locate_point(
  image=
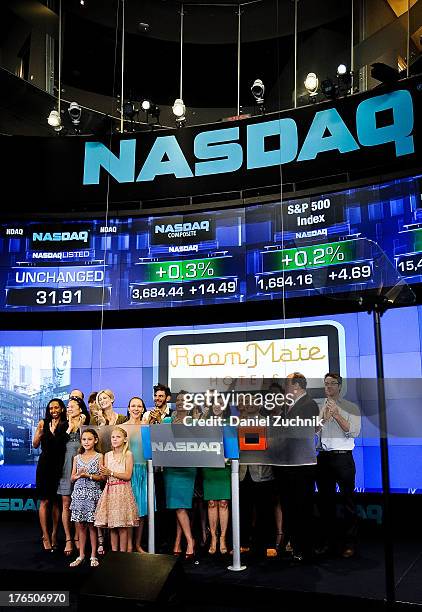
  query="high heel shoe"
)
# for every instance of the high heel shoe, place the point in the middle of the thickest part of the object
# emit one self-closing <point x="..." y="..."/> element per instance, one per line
<point x="223" y="545"/>
<point x="68" y="552"/>
<point x="46" y="548"/>
<point x="190" y="556"/>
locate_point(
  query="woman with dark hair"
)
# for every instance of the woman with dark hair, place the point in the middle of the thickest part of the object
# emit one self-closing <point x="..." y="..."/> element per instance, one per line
<point x="77" y="415"/>
<point x="217" y="490"/>
<point x="93" y="408"/>
<point x="51" y="435"/>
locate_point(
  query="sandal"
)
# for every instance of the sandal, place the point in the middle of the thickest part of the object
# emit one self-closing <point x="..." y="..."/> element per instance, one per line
<point x="77" y="562"/>
<point x="100" y="547"/>
<point x="93" y="562"/>
<point x="54" y="545"/>
<point x="68" y="551"/>
<point x="223" y="545"/>
<point x="46" y="544"/>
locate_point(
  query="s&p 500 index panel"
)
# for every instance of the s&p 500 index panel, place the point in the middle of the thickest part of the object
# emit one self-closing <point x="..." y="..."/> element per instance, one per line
<point x="327" y="244"/>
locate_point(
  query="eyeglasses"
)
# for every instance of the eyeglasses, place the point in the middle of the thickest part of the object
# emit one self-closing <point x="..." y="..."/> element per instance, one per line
<point x="331" y="384"/>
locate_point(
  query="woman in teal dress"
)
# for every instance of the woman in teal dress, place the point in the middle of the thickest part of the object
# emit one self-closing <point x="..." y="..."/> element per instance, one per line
<point x="217" y="491"/>
<point x="179" y="485"/>
<point x="136" y="409"/>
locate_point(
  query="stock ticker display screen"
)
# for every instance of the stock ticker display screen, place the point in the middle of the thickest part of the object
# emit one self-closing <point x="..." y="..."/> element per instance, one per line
<point x="326" y="244"/>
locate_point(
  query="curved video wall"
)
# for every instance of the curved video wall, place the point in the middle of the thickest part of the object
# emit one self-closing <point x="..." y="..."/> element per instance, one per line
<point x="337" y="243"/>
<point x="38" y="365"/>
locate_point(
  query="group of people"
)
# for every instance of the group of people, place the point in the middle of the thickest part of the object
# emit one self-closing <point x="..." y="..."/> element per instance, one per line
<point x="97" y="491"/>
<point x="108" y="493"/>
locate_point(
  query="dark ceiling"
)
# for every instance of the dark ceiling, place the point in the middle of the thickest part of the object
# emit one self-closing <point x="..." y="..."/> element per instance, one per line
<point x="91" y="57"/>
<point x="92" y="51"/>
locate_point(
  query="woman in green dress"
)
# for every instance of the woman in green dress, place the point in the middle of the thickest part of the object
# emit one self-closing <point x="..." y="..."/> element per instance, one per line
<point x="179" y="485"/>
<point x="217" y="491"/>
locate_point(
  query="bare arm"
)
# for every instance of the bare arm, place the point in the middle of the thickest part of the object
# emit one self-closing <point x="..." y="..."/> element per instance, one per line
<point x="127" y="474"/>
<point x="38" y="434"/>
<point x="75" y="474"/>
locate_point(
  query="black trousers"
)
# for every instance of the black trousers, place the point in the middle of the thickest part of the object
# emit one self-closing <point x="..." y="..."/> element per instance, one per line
<point x="258" y="496"/>
<point x="296" y="486"/>
<point x="337" y="469"/>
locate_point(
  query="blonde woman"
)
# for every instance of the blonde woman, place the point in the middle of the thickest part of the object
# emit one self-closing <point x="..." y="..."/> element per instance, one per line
<point x="106" y="414"/>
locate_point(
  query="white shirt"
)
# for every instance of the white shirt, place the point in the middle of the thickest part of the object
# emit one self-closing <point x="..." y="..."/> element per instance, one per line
<point x="332" y="436"/>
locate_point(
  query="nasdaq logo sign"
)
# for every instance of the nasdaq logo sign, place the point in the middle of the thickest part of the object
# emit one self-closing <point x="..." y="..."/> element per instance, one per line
<point x="59" y="236"/>
<point x="182" y="228"/>
<point x="187" y="447"/>
<point x="56" y="238"/>
<point x="18" y="504"/>
<point x="220" y="151"/>
<point x="178" y="231"/>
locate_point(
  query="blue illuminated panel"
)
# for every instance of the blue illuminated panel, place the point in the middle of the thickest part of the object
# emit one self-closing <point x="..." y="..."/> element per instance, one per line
<point x="317" y="245"/>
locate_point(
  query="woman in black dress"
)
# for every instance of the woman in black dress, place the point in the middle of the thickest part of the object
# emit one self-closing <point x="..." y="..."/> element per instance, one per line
<point x="51" y="435"/>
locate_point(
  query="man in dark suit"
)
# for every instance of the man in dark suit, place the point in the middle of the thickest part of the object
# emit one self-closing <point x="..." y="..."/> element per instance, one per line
<point x="297" y="479"/>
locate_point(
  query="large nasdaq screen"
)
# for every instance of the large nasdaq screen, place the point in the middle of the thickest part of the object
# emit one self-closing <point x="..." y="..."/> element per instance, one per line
<point x="335" y="243"/>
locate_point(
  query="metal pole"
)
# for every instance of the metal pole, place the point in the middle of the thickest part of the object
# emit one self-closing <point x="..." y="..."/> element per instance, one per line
<point x="352" y="36"/>
<point x="408" y="40"/>
<point x="236" y="566"/>
<point x="151" y="508"/>
<point x="239" y="32"/>
<point x="182" y="15"/>
<point x="123" y="67"/>
<point x="388" y="539"/>
<point x="295" y="92"/>
<point x="59" y="93"/>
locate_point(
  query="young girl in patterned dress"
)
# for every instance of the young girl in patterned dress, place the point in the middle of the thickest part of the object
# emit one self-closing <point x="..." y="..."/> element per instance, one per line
<point x="117" y="508"/>
<point x="86" y="493"/>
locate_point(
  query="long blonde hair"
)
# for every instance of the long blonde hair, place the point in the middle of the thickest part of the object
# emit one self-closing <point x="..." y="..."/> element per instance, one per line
<point x="126" y="442"/>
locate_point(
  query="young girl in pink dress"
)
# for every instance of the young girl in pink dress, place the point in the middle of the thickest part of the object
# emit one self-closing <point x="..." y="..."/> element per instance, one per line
<point x="117" y="508"/>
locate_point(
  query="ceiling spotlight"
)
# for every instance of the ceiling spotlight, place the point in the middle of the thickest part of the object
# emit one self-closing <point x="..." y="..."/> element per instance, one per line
<point x="75" y="113"/>
<point x="384" y="73"/>
<point x="258" y="90"/>
<point x="54" y="120"/>
<point x="151" y="109"/>
<point x="344" y="79"/>
<point x="179" y="111"/>
<point x="329" y="89"/>
<point x="311" y="83"/>
<point x="143" y="27"/>
<point x="129" y="110"/>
